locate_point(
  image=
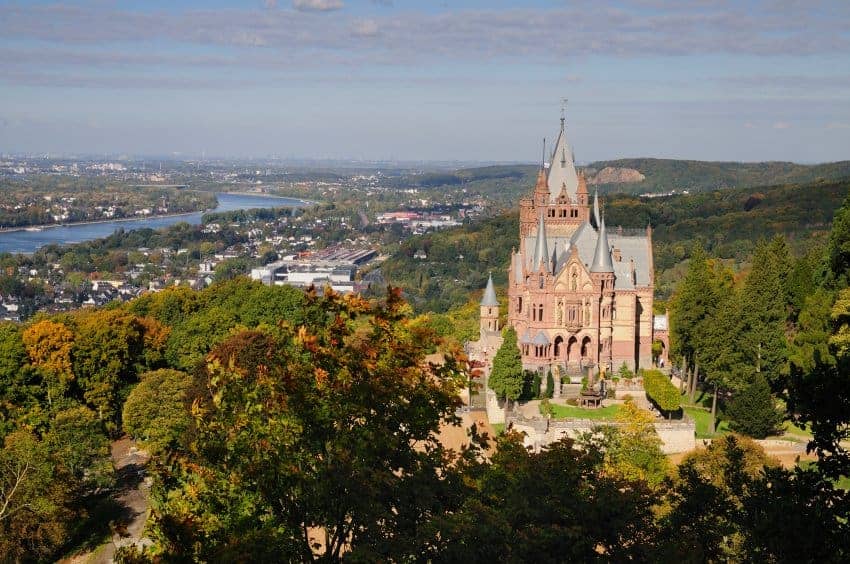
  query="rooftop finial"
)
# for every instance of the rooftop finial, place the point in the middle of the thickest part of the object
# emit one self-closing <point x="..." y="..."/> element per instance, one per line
<point x="543" y="162"/>
<point x="563" y="112"/>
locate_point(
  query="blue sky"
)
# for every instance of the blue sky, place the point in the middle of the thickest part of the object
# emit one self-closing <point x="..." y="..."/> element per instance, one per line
<point x="419" y="80"/>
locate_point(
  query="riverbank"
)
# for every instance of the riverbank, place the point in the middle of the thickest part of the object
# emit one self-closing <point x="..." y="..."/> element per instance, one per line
<point x="298" y="202"/>
<point x="27" y="240"/>
<point x="265" y="195"/>
<point x="43" y="226"/>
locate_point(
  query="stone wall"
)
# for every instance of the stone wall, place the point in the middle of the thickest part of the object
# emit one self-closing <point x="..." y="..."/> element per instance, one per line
<point x="676" y="436"/>
<point x="495" y="409"/>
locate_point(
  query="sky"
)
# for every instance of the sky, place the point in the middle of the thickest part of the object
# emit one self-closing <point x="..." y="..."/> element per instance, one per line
<point x="463" y="80"/>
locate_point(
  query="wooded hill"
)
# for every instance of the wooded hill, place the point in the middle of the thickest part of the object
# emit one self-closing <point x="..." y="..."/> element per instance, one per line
<point x="505" y="184"/>
<point x="665" y="175"/>
<point x="727" y="223"/>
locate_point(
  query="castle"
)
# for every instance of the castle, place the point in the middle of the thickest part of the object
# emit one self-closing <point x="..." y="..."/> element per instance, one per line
<point x="579" y="295"/>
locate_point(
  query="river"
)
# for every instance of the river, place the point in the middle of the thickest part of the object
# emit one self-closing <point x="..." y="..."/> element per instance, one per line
<point x="29" y="241"/>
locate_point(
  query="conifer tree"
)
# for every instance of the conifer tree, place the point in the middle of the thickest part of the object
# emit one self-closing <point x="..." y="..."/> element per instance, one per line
<point x="763" y="304"/>
<point x="692" y="306"/>
<point x="506" y="377"/>
<point x="837" y="264"/>
<point x="753" y="410"/>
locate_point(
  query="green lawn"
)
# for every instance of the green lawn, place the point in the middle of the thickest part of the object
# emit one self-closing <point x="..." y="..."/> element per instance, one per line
<point x="702" y="398"/>
<point x="796" y="432"/>
<point x="569" y="411"/>
<point x="498" y="428"/>
<point x="703" y="421"/>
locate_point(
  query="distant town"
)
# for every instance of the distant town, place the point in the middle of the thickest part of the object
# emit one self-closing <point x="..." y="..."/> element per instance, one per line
<point x="351" y="219"/>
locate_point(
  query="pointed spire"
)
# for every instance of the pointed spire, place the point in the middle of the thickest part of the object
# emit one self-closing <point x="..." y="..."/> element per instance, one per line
<point x="554" y="262"/>
<point x="489" y="299"/>
<point x="596" y="208"/>
<point x="602" y="257"/>
<point x="541" y="246"/>
<point x="562" y="169"/>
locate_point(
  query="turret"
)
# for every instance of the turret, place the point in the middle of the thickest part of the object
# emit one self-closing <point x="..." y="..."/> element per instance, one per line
<point x="596" y="209"/>
<point x="540" y="258"/>
<point x="541" y="190"/>
<point x="489" y="315"/>
<point x="581" y="192"/>
<point x="602" y="262"/>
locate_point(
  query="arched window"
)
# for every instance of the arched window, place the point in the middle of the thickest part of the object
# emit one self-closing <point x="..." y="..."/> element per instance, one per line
<point x="519" y="304"/>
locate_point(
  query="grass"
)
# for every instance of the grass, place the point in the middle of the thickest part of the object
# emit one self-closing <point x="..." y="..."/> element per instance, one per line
<point x="569" y="411"/>
<point x="701" y="399"/>
<point x="498" y="428"/>
<point x="794" y="431"/>
<point x="702" y="418"/>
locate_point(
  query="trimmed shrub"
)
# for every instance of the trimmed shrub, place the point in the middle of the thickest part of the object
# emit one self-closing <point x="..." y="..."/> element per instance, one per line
<point x="661" y="391"/>
<point x="550" y="385"/>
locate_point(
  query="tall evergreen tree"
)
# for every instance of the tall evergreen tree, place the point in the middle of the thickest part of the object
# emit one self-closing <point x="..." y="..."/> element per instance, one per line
<point x="837" y="263"/>
<point x="753" y="410"/>
<point x="763" y="304"/>
<point x="693" y="303"/>
<point x="506" y="377"/>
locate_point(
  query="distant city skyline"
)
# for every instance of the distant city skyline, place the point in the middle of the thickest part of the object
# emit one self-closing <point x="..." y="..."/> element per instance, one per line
<point x="467" y="80"/>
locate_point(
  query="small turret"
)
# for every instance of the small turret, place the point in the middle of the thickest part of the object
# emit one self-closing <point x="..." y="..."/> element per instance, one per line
<point x="541" y="247"/>
<point x="602" y="256"/>
<point x="541" y="189"/>
<point x="581" y="192"/>
<point x="489" y="314"/>
<point x="596" y="208"/>
<point x="489" y="299"/>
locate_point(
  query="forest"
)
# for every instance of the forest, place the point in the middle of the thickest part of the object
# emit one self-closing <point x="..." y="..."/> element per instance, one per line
<point x="290" y="426"/>
<point x="725" y="223"/>
<point x="503" y="185"/>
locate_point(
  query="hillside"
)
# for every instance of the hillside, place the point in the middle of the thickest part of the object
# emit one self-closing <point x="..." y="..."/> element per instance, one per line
<point x="727" y="222"/>
<point x="665" y="175"/>
<point x="503" y="185"/>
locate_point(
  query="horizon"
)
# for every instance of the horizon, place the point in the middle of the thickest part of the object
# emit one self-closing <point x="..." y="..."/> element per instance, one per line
<point x="394" y="81"/>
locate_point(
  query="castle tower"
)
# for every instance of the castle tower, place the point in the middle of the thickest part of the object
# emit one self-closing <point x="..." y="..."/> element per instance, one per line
<point x="489" y="315"/>
<point x="602" y="274"/>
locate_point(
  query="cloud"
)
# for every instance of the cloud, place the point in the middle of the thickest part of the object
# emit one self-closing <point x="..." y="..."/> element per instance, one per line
<point x="270" y="4"/>
<point x="470" y="36"/>
<point x="365" y="28"/>
<point x="316" y="5"/>
<point x="837" y="125"/>
<point x="781" y="125"/>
